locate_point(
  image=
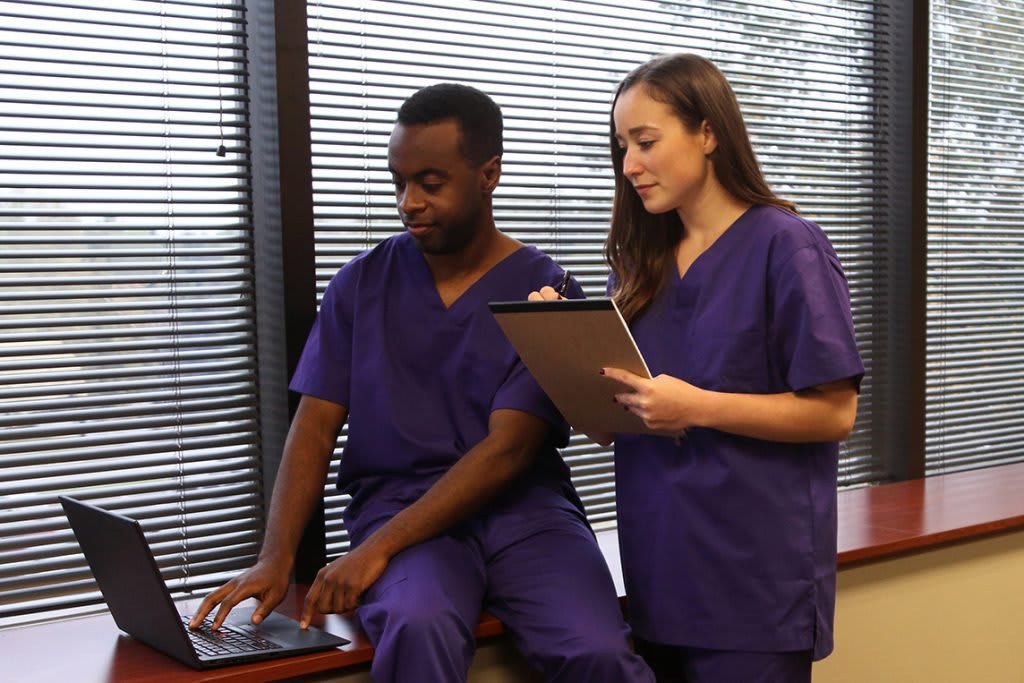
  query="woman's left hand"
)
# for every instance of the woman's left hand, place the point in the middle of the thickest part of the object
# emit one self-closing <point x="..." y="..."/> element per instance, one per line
<point x="665" y="404"/>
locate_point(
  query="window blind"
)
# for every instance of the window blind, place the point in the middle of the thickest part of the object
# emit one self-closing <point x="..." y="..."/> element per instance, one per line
<point x="975" y="294"/>
<point x="806" y="74"/>
<point x="126" y="321"/>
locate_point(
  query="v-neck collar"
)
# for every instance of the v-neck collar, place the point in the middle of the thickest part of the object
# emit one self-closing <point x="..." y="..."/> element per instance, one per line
<point x="710" y="254"/>
<point x="431" y="294"/>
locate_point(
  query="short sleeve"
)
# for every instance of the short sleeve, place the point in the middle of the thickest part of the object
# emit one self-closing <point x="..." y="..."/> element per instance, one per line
<point x="521" y="392"/>
<point x="813" y="338"/>
<point x="325" y="366"/>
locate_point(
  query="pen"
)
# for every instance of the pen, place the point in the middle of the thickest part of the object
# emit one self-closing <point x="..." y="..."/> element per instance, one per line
<point x="563" y="288"/>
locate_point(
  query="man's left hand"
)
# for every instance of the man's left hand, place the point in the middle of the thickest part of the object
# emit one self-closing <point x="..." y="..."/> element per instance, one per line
<point x="340" y="584"/>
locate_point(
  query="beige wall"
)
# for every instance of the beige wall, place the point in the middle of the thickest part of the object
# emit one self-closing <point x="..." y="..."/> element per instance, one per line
<point x="953" y="614"/>
<point x="496" y="661"/>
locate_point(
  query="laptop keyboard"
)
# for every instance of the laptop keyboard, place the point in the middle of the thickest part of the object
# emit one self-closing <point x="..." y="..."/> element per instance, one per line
<point x="228" y="640"/>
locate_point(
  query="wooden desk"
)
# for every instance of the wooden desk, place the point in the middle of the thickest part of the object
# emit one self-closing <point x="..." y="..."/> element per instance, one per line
<point x="874" y="522"/>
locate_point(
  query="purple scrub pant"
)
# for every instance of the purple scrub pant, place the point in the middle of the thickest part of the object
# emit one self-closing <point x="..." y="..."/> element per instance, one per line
<point x="676" y="664"/>
<point x="540" y="571"/>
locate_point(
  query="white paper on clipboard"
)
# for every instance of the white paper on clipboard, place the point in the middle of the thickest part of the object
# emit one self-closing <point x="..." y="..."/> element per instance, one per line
<point x="564" y="344"/>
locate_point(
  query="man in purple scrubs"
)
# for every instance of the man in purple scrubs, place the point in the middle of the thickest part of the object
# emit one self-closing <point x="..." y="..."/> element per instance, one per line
<point x="460" y="500"/>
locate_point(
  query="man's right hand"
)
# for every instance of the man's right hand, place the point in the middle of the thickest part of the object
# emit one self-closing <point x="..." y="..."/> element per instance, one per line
<point x="265" y="580"/>
<point x="297" y="492"/>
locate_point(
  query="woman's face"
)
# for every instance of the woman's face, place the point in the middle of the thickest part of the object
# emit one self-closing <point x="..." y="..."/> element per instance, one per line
<point x="666" y="163"/>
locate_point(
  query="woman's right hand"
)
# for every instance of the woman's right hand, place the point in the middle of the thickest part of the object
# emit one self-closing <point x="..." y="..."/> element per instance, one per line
<point x="546" y="293"/>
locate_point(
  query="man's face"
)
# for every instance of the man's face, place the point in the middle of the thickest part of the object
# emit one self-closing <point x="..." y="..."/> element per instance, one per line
<point x="440" y="195"/>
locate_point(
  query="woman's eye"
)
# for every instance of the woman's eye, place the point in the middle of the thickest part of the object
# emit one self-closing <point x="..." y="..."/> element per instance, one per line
<point x="645" y="144"/>
<point x="432" y="188"/>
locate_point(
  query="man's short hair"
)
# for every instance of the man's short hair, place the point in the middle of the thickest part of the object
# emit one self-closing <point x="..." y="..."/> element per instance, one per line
<point x="478" y="116"/>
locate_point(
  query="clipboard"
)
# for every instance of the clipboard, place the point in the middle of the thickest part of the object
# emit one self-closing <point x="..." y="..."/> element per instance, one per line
<point x="564" y="344"/>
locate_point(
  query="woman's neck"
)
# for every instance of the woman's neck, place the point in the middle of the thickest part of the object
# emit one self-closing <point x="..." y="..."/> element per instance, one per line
<point x="710" y="216"/>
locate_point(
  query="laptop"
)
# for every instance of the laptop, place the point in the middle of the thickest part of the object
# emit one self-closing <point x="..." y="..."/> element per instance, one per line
<point x="128" y="577"/>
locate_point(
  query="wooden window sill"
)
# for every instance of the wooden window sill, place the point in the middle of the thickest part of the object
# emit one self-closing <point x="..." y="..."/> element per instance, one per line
<point x="874" y="523"/>
<point x="884" y="520"/>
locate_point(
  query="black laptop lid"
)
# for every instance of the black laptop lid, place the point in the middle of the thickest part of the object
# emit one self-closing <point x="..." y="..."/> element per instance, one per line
<point x="128" y="577"/>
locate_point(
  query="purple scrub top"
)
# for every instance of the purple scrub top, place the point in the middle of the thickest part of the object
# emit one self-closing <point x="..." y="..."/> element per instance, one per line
<point x="729" y="542"/>
<point x="419" y="380"/>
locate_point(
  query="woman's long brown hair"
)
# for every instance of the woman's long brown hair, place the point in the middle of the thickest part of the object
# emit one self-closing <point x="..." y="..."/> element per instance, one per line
<point x="641" y="246"/>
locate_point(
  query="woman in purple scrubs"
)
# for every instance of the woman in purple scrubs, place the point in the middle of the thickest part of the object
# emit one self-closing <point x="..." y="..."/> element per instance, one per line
<point x="727" y="524"/>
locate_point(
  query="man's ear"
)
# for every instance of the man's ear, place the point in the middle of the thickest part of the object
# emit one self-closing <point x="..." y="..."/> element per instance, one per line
<point x="710" y="139"/>
<point x="490" y="174"/>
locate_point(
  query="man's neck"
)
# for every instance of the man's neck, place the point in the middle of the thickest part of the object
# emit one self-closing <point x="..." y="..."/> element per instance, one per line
<point x="455" y="273"/>
<point x="486" y="249"/>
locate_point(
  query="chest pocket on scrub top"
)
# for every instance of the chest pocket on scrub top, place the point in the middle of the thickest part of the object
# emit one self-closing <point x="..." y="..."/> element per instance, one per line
<point x="736" y="362"/>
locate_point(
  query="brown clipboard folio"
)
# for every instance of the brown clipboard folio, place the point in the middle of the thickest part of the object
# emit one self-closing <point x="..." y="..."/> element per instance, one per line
<point x="564" y="344"/>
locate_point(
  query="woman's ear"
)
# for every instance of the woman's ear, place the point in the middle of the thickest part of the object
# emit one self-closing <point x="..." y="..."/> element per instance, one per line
<point x="490" y="174"/>
<point x="710" y="139"/>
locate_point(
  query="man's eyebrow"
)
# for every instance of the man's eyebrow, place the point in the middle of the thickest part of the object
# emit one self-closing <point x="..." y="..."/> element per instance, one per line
<point x="422" y="173"/>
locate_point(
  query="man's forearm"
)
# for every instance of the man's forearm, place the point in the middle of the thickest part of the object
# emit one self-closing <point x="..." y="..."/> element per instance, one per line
<point x="298" y="489"/>
<point x="474" y="480"/>
<point x="300" y="480"/>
